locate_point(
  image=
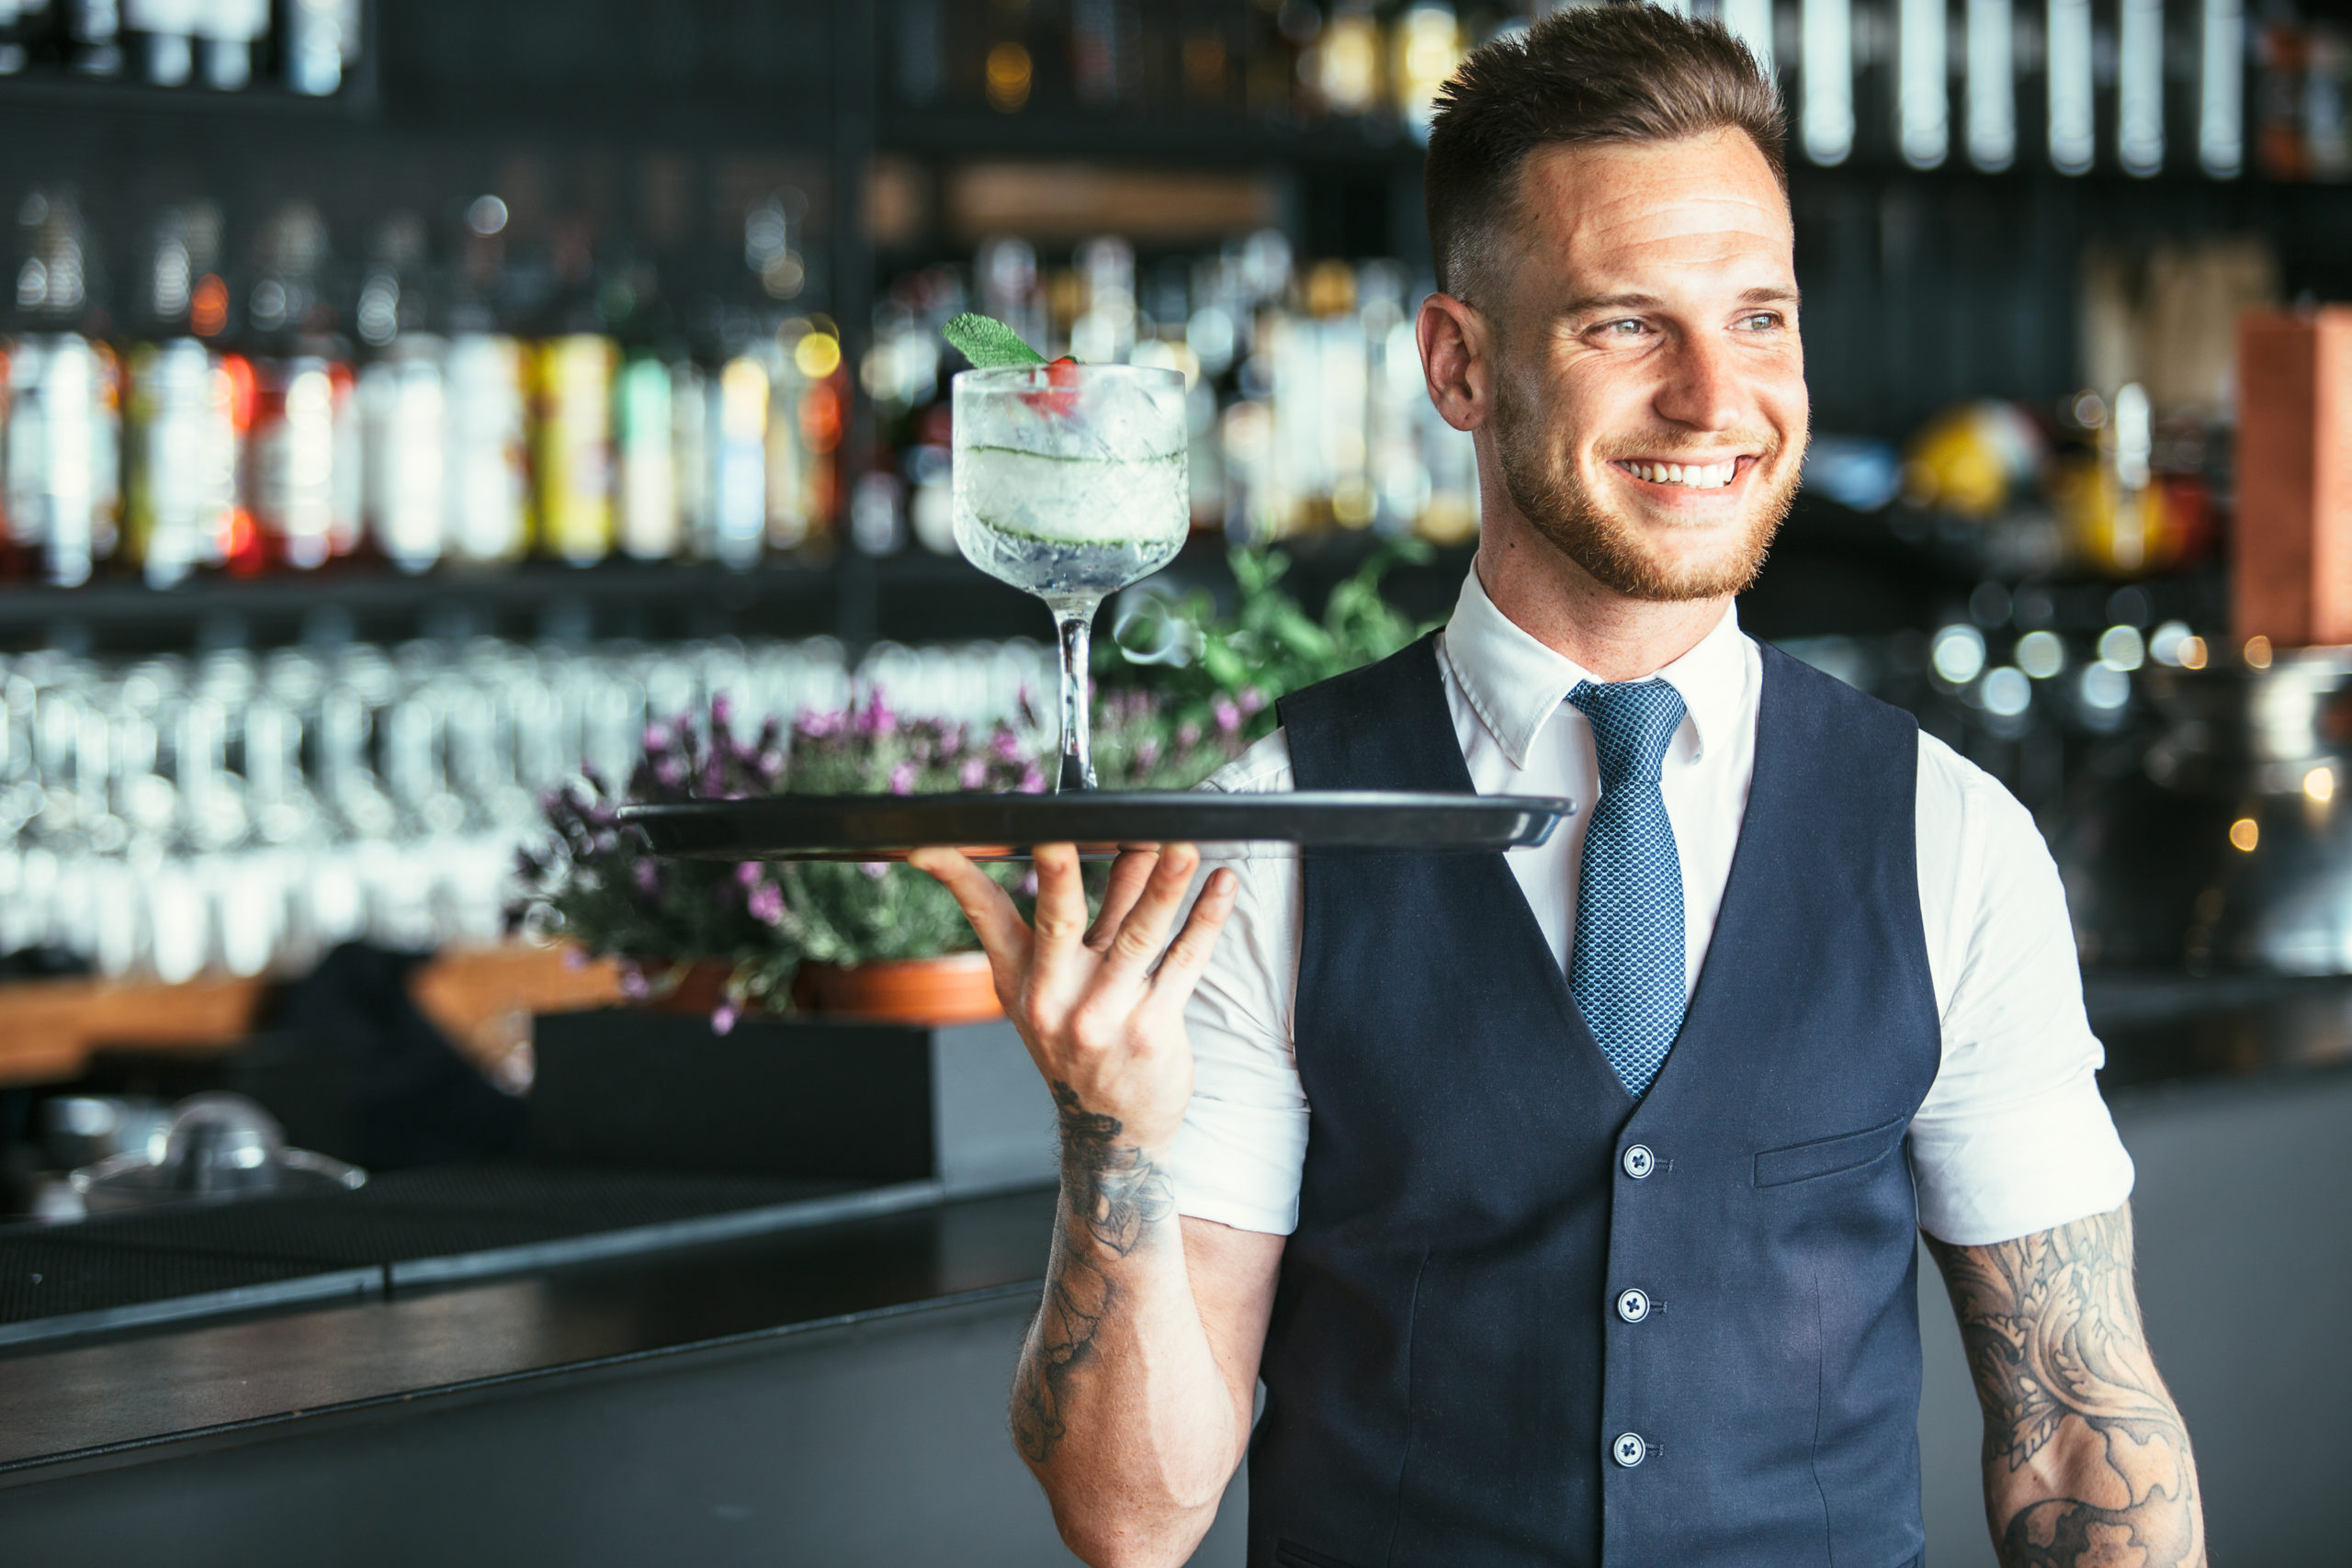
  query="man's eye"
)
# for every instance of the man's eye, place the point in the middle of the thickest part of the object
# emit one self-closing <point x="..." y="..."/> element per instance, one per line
<point x="1763" y="322"/>
<point x="1628" y="327"/>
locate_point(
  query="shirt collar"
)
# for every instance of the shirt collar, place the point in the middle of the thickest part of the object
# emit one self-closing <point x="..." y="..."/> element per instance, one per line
<point x="1515" y="684"/>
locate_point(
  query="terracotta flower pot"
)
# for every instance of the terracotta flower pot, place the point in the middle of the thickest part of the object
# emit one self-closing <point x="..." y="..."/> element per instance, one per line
<point x="955" y="987"/>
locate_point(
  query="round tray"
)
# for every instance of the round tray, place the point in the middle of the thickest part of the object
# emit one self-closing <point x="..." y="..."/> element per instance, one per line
<point x="1003" y="827"/>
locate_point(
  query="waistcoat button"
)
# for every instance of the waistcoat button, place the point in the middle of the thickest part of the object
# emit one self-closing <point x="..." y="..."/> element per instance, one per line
<point x="1639" y="1161"/>
<point x="1633" y="1305"/>
<point x="1629" y="1450"/>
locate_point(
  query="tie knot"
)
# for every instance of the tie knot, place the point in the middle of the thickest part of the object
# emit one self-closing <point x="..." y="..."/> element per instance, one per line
<point x="1633" y="724"/>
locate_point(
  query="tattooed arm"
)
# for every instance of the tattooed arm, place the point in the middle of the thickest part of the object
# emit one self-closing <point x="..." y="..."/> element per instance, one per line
<point x="1132" y="1404"/>
<point x="2086" y="1459"/>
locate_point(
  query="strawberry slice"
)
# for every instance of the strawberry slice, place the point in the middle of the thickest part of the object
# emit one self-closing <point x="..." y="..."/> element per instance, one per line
<point x="1061" y="378"/>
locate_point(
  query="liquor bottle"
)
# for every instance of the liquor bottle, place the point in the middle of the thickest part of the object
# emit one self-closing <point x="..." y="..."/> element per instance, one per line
<point x="302" y="462"/>
<point x="403" y="423"/>
<point x="94" y="37"/>
<point x="1424" y="51"/>
<point x="571" y="392"/>
<point x="740" y="396"/>
<point x="321" y="42"/>
<point x="645" y="437"/>
<point x="17" y="24"/>
<point x="164" y="34"/>
<point x="63" y="442"/>
<point x="486" y="379"/>
<point x="486" y="450"/>
<point x="227" y="33"/>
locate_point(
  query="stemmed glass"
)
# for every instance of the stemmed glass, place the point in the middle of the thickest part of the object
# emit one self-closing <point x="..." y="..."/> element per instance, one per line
<point x="1070" y="483"/>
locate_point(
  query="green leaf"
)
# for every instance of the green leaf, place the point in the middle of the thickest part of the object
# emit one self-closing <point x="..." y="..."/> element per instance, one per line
<point x="988" y="343"/>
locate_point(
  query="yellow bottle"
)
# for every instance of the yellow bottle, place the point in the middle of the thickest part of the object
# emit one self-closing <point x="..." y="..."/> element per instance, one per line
<point x="572" y="448"/>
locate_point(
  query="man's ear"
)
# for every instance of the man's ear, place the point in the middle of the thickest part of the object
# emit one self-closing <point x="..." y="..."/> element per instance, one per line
<point x="1457" y="364"/>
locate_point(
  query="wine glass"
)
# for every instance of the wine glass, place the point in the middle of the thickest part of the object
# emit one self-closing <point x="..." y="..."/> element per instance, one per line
<point x="1070" y="483"/>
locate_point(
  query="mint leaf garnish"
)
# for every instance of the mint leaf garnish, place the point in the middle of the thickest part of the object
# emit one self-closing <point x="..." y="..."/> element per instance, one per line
<point x="988" y="343"/>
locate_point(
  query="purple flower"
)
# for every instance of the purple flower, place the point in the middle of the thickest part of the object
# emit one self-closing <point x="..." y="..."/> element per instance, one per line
<point x="648" y="878"/>
<point x="669" y="773"/>
<point x="1228" y="717"/>
<point x="771" y="766"/>
<point x="1027" y="886"/>
<point x="1253" y="701"/>
<point x="1188" y="735"/>
<point x="973" y="774"/>
<point x="657" y="738"/>
<point x="1005" y="744"/>
<point x="574" y="958"/>
<point x="813" y="725"/>
<point x="1033" y="780"/>
<point x="748" y="872"/>
<point x="722" y="711"/>
<point x="723" y="1017"/>
<point x="877" y="869"/>
<point x="876" y="719"/>
<point x="766" y="904"/>
<point x="902" y="777"/>
<point x="1146" y="751"/>
<point x="633" y="982"/>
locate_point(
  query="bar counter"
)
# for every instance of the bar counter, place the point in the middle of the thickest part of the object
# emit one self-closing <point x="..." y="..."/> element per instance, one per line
<point x="834" y="1392"/>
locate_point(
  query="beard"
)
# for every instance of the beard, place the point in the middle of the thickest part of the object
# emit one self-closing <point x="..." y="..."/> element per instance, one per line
<point x="1544" y="483"/>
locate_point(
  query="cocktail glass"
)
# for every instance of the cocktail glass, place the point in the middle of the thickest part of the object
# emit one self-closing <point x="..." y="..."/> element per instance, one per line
<point x="1070" y="483"/>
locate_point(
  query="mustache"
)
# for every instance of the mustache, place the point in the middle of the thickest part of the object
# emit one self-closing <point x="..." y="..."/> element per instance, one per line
<point x="1664" y="444"/>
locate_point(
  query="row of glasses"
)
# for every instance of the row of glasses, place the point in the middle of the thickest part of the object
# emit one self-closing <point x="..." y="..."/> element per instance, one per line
<point x="240" y="813"/>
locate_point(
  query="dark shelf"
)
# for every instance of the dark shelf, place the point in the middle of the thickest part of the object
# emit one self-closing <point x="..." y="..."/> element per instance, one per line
<point x="1197" y="139"/>
<point x="261" y="100"/>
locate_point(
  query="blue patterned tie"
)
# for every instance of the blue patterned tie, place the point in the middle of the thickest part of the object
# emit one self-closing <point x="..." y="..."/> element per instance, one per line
<point x="1626" y="968"/>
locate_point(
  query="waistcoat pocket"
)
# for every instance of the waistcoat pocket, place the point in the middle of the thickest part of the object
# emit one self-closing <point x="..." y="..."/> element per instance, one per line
<point x="1827" y="1156"/>
<point x="1290" y="1554"/>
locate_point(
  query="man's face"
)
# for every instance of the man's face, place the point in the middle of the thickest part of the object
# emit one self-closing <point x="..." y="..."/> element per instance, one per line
<point x="1649" y="412"/>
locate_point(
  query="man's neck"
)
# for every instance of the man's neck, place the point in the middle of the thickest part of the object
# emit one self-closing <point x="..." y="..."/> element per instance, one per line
<point x="1563" y="606"/>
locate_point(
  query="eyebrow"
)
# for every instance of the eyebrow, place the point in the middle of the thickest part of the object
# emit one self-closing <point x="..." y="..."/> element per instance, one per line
<point x="1767" y="294"/>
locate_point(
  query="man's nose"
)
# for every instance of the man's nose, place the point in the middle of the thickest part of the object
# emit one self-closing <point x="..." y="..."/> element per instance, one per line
<point x="1703" y="388"/>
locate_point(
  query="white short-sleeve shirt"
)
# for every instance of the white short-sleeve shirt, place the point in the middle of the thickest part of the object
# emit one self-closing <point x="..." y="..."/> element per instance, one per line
<point x="2013" y="1137"/>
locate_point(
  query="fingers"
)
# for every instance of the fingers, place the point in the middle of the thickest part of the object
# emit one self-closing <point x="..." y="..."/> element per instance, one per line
<point x="1188" y="954"/>
<point x="1129" y="872"/>
<point x="995" y="921"/>
<point x="1060" y="917"/>
<point x="1145" y="930"/>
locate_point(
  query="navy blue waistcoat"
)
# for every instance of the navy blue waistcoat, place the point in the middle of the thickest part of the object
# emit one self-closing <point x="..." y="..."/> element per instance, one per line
<point x="1447" y="1370"/>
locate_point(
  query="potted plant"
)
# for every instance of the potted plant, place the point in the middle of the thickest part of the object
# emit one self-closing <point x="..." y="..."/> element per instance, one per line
<point x="867" y="940"/>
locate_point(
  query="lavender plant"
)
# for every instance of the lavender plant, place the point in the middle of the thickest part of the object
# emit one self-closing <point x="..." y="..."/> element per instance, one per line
<point x="593" y="883"/>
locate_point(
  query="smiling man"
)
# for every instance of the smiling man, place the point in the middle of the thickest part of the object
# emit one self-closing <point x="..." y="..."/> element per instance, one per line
<point x="1566" y="1202"/>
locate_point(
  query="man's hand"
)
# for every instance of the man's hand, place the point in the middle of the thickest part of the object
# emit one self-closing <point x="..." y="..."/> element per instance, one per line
<point x="1104" y="1027"/>
<point x="2086" y="1459"/>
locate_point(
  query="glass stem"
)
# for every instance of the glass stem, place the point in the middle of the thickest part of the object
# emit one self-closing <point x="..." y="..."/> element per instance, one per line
<point x="1075" y="633"/>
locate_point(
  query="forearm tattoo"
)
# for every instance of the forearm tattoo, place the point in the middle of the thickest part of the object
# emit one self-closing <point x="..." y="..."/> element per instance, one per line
<point x="2072" y="1400"/>
<point x="1111" y="1197"/>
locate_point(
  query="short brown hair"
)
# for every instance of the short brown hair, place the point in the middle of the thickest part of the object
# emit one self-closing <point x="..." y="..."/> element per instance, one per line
<point x="1593" y="75"/>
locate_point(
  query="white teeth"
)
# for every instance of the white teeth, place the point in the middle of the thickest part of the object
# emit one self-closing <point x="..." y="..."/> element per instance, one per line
<point x="1695" y="476"/>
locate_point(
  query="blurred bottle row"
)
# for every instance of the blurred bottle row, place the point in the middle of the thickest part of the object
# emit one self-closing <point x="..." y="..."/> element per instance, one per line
<point x="238" y="814"/>
<point x="247" y="434"/>
<point x="2138" y="83"/>
<point x="225" y="46"/>
<point x="1308" y="406"/>
<point x="1270" y="59"/>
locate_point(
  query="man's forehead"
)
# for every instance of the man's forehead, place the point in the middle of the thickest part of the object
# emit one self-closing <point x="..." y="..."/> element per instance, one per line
<point x="1702" y="203"/>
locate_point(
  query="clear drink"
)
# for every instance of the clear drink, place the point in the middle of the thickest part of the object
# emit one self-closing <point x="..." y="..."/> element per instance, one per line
<point x="1070" y="483"/>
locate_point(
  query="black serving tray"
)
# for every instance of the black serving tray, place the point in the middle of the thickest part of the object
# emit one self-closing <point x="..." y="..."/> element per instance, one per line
<point x="1004" y="826"/>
